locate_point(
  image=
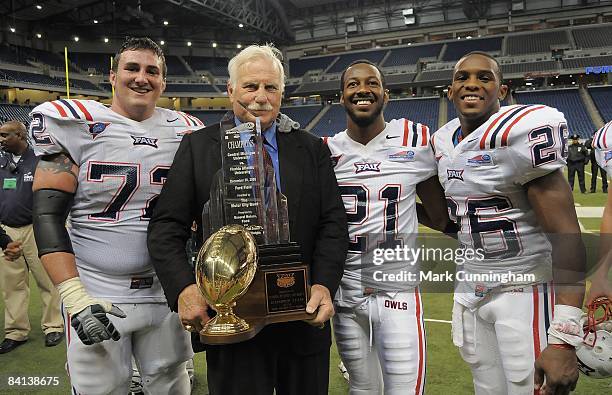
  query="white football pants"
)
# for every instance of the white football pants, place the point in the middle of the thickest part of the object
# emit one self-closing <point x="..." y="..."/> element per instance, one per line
<point x="503" y="336"/>
<point x="156" y="338"/>
<point x="382" y="344"/>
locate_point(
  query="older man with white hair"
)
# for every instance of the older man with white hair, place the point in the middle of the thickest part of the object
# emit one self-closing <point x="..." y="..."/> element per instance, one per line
<point x="289" y="358"/>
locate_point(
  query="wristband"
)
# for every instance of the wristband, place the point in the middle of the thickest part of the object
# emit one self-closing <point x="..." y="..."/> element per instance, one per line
<point x="76" y="298"/>
<point x="566" y="327"/>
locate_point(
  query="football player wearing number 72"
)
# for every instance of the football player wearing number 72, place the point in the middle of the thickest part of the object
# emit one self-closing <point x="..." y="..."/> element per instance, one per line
<point x="106" y="166"/>
<point x="501" y="169"/>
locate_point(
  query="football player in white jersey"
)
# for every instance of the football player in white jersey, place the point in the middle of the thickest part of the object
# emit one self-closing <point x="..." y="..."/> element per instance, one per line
<point x="600" y="285"/>
<point x="381" y="167"/>
<point x="501" y="172"/>
<point x="105" y="167"/>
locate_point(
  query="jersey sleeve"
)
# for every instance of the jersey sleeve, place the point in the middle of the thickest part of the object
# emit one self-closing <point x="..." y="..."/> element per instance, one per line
<point x="537" y="139"/>
<point x="602" y="144"/>
<point x="56" y="127"/>
<point x="413" y="146"/>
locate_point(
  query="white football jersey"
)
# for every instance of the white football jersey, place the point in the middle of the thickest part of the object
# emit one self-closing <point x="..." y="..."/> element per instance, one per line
<point x="122" y="167"/>
<point x="483" y="178"/>
<point x="602" y="143"/>
<point x="378" y="186"/>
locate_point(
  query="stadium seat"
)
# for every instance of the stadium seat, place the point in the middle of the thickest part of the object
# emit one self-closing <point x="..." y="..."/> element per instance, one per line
<point x="567" y="101"/>
<point x="602" y="97"/>
<point x="411" y="55"/>
<point x="535" y="42"/>
<point x="456" y="49"/>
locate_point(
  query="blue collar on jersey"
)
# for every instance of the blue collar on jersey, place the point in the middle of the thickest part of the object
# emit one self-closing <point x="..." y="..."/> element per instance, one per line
<point x="457" y="136"/>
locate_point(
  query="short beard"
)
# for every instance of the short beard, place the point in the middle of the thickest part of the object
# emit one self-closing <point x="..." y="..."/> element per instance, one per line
<point x="365" y="122"/>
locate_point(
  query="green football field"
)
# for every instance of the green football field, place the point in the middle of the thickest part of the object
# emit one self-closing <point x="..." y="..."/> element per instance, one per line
<point x="446" y="372"/>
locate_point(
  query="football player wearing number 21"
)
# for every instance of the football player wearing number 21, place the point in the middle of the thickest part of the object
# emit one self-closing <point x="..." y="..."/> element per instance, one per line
<point x="501" y="169"/>
<point x="381" y="167"/>
<point x="106" y="166"/>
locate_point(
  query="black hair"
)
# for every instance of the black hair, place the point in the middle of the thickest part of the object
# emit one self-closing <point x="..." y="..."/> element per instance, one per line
<point x="362" y="61"/>
<point x="135" y="43"/>
<point x="486" y="55"/>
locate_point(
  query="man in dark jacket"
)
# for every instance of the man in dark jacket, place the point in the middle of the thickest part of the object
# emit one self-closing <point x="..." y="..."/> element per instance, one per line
<point x="17" y="165"/>
<point x="595" y="168"/>
<point x="577" y="157"/>
<point x="289" y="358"/>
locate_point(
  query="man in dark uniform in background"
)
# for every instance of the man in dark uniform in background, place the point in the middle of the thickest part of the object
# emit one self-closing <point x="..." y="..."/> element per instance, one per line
<point x="577" y="157"/>
<point x="595" y="168"/>
<point x="16" y="175"/>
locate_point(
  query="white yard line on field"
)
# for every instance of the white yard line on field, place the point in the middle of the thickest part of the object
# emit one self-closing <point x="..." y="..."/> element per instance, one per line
<point x="589" y="212"/>
<point x="432" y="320"/>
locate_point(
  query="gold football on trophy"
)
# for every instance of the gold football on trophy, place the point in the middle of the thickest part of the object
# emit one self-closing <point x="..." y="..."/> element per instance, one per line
<point x="225" y="267"/>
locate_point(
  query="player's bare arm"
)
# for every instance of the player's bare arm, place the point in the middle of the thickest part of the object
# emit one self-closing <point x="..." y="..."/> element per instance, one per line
<point x="432" y="211"/>
<point x="553" y="203"/>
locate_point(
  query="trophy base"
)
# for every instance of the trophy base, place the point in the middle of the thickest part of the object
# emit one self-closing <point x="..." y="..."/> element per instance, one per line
<point x="225" y="324"/>
<point x="278" y="293"/>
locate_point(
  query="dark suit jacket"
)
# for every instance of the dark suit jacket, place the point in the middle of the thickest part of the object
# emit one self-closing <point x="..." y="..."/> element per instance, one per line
<point x="317" y="218"/>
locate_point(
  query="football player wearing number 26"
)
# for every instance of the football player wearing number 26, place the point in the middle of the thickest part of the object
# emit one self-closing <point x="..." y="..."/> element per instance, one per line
<point x="105" y="167"/>
<point x="501" y="169"/>
<point x="381" y="167"/>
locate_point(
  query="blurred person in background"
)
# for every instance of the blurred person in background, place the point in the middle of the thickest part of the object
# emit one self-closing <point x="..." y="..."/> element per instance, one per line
<point x="17" y="166"/>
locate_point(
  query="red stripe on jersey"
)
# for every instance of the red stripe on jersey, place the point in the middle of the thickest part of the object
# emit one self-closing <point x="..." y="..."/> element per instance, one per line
<point x="483" y="140"/>
<point x="325" y="140"/>
<point x="419" y="321"/>
<point x="504" y="139"/>
<point x="536" y="322"/>
<point x="68" y="326"/>
<point x="184" y="117"/>
<point x="59" y="109"/>
<point x="424" y="135"/>
<point x="406" y="131"/>
<point x="552" y="299"/>
<point x="68" y="339"/>
<point x="83" y="109"/>
<point x="195" y="120"/>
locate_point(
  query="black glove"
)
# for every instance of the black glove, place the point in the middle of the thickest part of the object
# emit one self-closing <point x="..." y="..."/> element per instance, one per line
<point x="93" y="326"/>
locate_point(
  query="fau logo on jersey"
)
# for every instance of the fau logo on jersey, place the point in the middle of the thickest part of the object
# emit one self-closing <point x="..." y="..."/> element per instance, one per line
<point x="607" y="156"/>
<point x="361" y="167"/>
<point x="143" y="140"/>
<point x="453" y="174"/>
<point x="480" y="160"/>
<point x="97" y="127"/>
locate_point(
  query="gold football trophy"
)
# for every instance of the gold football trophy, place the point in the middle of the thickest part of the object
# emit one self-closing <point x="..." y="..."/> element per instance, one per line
<point x="248" y="264"/>
<point x="225" y="267"/>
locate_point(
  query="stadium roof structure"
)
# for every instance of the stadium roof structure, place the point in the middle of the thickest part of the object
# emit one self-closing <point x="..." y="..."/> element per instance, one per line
<point x="205" y="20"/>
